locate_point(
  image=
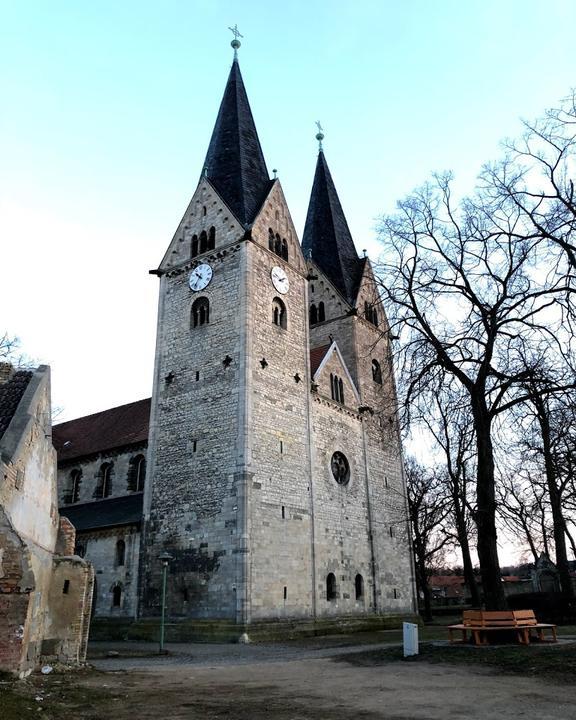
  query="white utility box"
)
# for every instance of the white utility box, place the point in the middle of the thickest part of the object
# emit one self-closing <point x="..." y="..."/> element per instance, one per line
<point x="410" y="639"/>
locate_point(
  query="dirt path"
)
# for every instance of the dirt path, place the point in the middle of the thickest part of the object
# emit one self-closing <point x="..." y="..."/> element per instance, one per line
<point x="320" y="689"/>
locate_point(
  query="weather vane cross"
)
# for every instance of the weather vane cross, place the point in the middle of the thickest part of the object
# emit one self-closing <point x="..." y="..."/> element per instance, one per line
<point x="319" y="134"/>
<point x="235" y="43"/>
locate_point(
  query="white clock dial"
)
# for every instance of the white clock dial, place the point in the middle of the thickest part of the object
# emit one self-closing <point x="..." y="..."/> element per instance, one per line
<point x="200" y="277"/>
<point x="280" y="280"/>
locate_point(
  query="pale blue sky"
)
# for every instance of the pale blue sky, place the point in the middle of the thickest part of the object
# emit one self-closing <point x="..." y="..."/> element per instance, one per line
<point x="106" y="110"/>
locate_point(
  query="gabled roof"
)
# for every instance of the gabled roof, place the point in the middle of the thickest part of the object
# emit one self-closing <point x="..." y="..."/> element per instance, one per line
<point x="114" y="428"/>
<point x="124" y="510"/>
<point x="11" y="393"/>
<point x="235" y="162"/>
<point x="327" y="236"/>
<point x="328" y="352"/>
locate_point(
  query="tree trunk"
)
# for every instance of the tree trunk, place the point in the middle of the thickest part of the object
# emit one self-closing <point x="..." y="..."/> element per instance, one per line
<point x="422" y="583"/>
<point x="462" y="532"/>
<point x="494" y="598"/>
<point x="554" y="493"/>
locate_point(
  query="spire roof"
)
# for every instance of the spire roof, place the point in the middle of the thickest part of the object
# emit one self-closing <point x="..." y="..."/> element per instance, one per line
<point x="234" y="162"/>
<point x="327" y="236"/>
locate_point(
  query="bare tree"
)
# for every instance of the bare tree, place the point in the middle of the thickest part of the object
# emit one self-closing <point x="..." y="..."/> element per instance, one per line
<point x="428" y="512"/>
<point x="536" y="177"/>
<point x="466" y="304"/>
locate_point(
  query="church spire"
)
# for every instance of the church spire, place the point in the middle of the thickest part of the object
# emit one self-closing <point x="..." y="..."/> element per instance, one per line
<point x="234" y="163"/>
<point x="327" y="238"/>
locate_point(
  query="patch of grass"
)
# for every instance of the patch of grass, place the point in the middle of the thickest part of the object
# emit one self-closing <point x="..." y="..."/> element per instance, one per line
<point x="555" y="662"/>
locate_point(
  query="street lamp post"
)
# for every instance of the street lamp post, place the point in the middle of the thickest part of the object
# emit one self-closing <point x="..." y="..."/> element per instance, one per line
<point x="164" y="559"/>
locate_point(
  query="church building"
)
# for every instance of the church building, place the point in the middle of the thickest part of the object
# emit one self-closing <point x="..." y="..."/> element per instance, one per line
<point x="266" y="469"/>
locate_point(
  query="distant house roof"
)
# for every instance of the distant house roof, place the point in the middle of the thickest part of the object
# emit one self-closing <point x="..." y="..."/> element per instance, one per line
<point x="11" y="393"/>
<point x="112" y="512"/>
<point x="316" y="357"/>
<point x="106" y="430"/>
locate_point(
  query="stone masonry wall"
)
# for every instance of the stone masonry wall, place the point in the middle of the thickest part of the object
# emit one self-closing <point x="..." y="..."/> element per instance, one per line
<point x="191" y="501"/>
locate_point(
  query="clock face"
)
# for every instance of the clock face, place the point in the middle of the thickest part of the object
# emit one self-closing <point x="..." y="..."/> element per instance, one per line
<point x="200" y="277"/>
<point x="280" y="280"/>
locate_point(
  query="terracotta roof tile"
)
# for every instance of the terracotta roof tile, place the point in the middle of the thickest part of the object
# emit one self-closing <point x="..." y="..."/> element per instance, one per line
<point x="11" y="393"/>
<point x="316" y="357"/>
<point x="114" y="428"/>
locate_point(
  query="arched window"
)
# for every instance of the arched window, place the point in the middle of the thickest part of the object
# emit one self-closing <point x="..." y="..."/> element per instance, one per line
<point x="337" y="388"/>
<point x="212" y="238"/>
<point x="203" y="241"/>
<point x="284" y="249"/>
<point x="330" y="586"/>
<point x="359" y="587"/>
<point x="321" y="313"/>
<point x="375" y="317"/>
<point x="313" y="315"/>
<point x="279" y="313"/>
<point x="120" y="553"/>
<point x="278" y="245"/>
<point x="72" y="493"/>
<point x="200" y="311"/>
<point x="376" y="372"/>
<point x="117" y="596"/>
<point x="366" y="310"/>
<point x="203" y="209"/>
<point x="137" y="473"/>
<point x="104" y="483"/>
<point x="270" y="239"/>
<point x="194" y="246"/>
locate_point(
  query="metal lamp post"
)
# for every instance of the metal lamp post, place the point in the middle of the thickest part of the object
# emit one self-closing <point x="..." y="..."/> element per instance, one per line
<point x="164" y="559"/>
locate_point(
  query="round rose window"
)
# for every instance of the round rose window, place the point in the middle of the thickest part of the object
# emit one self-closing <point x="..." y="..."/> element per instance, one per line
<point x="340" y="468"/>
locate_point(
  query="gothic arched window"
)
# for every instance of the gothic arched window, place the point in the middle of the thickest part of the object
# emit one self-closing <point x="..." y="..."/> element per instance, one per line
<point x="203" y="241"/>
<point x="376" y="372"/>
<point x="340" y="391"/>
<point x="331" y="586"/>
<point x="120" y="553"/>
<point x="321" y="312"/>
<point x="194" y="246"/>
<point x="212" y="238"/>
<point x="278" y="245"/>
<point x="284" y="249"/>
<point x="279" y="313"/>
<point x="270" y="239"/>
<point x="200" y="312"/>
<point x="313" y="315"/>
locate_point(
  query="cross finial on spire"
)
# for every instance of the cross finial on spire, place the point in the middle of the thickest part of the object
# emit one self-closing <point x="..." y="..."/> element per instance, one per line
<point x="319" y="135"/>
<point x="235" y="43"/>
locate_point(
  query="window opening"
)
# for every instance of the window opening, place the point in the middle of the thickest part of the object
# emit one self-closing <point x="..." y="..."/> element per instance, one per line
<point x="359" y="587"/>
<point x="66" y="587"/>
<point x="120" y="553"/>
<point x="285" y="592"/>
<point x="116" y="596"/>
<point x="200" y="312"/>
<point x="321" y="313"/>
<point x="283" y="512"/>
<point x="194" y="246"/>
<point x="376" y="372"/>
<point x="340" y="468"/>
<point x="212" y="238"/>
<point x="313" y="315"/>
<point x="331" y="587"/>
<point x="203" y="241"/>
<point x="279" y="313"/>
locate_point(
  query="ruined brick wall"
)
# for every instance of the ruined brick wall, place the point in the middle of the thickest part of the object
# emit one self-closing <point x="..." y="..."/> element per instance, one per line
<point x="66" y="632"/>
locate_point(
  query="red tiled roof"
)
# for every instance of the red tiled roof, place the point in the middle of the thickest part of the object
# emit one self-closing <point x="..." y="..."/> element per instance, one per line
<point x="119" y="426"/>
<point x="445" y="580"/>
<point x="316" y="357"/>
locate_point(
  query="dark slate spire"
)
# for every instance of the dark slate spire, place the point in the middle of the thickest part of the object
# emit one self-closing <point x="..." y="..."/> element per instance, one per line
<point x="327" y="236"/>
<point x="235" y="163"/>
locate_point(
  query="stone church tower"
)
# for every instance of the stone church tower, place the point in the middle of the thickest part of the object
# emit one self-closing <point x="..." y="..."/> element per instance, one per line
<point x="274" y="475"/>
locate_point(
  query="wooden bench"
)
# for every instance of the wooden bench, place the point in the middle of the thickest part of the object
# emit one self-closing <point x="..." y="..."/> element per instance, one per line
<point x="481" y="622"/>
